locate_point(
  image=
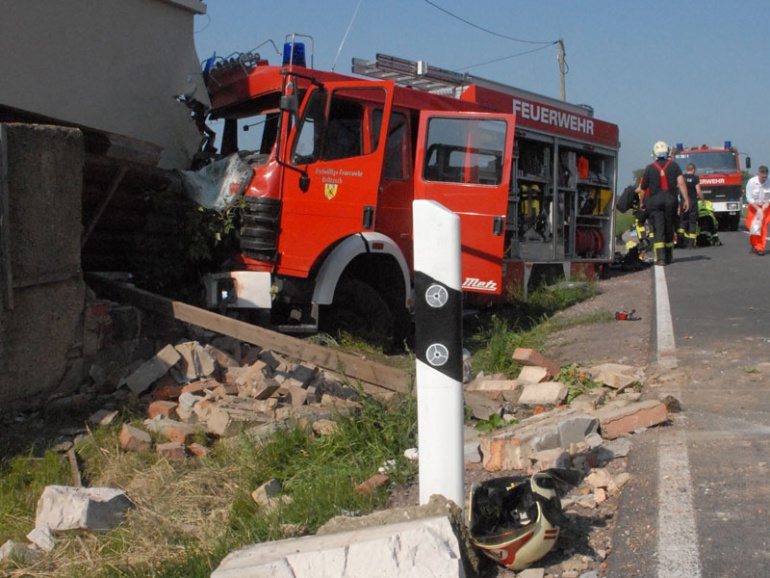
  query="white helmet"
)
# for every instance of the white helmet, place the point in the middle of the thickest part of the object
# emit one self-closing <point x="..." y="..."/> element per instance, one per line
<point x="514" y="520"/>
<point x="660" y="149"/>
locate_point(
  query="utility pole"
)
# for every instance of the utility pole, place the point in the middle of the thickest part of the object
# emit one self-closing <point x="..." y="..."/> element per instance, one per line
<point x="561" y="70"/>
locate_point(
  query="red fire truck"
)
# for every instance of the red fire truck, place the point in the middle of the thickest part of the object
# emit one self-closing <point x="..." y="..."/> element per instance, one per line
<point x="721" y="179"/>
<point x="326" y="231"/>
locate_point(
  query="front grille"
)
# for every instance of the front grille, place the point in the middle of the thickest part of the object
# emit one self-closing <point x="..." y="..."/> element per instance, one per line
<point x="259" y="231"/>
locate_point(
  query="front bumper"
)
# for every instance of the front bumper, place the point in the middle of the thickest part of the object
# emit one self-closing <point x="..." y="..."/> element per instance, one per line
<point x="239" y="289"/>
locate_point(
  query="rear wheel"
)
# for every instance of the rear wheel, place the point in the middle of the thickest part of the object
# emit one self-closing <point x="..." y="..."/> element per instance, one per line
<point x="360" y="311"/>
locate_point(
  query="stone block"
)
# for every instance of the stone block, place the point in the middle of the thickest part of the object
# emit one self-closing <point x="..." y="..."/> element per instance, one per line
<point x="545" y="393"/>
<point x="614" y="375"/>
<point x="533" y="374"/>
<point x="575" y="429"/>
<point x="188" y="362"/>
<point x="433" y="550"/>
<point x="70" y="508"/>
<point x="152" y="370"/>
<point x="42" y="538"/>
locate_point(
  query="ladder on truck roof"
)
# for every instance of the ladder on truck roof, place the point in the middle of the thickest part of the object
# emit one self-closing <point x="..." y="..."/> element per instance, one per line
<point x="420" y="75"/>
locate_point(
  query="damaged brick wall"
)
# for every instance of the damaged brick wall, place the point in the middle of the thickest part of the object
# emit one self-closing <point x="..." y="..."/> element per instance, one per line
<point x="41" y="287"/>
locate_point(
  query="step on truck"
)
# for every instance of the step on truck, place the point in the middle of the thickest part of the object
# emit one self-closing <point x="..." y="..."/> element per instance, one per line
<point x="721" y="179"/>
<point x="335" y="162"/>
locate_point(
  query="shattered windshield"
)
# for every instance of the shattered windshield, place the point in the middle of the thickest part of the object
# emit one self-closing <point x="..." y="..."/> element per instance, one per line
<point x="709" y="163"/>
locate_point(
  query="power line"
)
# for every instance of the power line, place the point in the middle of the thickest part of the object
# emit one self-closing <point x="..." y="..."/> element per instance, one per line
<point x="437" y="7"/>
<point x="508" y="57"/>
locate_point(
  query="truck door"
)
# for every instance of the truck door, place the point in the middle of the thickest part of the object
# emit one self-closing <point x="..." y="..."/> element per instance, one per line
<point x="463" y="161"/>
<point x="337" y="144"/>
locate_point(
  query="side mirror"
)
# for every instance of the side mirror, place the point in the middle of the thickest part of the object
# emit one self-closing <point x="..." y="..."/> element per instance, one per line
<point x="304" y="182"/>
<point x="748" y="162"/>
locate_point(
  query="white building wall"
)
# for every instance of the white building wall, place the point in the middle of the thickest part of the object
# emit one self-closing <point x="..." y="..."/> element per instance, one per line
<point x="113" y="65"/>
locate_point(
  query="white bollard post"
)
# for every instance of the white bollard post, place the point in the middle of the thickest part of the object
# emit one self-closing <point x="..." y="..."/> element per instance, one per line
<point x="438" y="349"/>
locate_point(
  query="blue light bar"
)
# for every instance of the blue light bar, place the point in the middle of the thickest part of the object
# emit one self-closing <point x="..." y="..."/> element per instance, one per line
<point x="294" y="53"/>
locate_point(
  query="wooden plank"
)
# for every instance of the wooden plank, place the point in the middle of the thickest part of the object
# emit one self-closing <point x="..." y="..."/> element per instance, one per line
<point x="353" y="367"/>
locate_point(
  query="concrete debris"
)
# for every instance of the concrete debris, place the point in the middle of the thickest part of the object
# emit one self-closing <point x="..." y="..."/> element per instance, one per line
<point x="195" y="392"/>
<point x="268" y="496"/>
<point x="533" y="374"/>
<point x="433" y="550"/>
<point x="543" y="393"/>
<point x="615" y="375"/>
<point x="68" y="508"/>
<point x="151" y="370"/>
<point x="17" y="552"/>
<point x="42" y="538"/>
<point x="103" y="417"/>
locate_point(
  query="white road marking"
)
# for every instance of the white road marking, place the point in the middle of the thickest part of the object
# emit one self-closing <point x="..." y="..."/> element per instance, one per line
<point x="678" y="555"/>
<point x="666" y="346"/>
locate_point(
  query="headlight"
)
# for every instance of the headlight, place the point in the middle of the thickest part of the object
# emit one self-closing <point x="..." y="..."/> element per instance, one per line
<point x="733" y="206"/>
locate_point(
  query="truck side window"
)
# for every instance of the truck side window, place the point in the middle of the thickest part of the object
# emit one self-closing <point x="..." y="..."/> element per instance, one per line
<point x="396" y="163"/>
<point x="464" y="151"/>
<point x="307" y="146"/>
<point x="344" y="133"/>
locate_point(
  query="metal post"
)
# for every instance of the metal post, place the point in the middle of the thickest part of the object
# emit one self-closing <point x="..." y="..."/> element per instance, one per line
<point x="438" y="349"/>
<point x="562" y="71"/>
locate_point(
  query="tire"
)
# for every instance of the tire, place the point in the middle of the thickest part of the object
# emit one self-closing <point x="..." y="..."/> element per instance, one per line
<point x="360" y="311"/>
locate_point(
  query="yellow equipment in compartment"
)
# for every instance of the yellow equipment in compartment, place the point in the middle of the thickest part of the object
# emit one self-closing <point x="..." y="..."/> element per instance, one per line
<point x="530" y="201"/>
<point x="603" y="200"/>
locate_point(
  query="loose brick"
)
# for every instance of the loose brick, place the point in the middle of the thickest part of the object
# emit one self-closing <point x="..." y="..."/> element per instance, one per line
<point x="370" y="485"/>
<point x="134" y="439"/>
<point x="172" y="450"/>
<point x="531" y="357"/>
<point x="617" y="421"/>
<point x="164" y="408"/>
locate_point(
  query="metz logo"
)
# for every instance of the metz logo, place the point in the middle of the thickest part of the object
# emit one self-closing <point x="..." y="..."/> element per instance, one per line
<point x="720" y="181"/>
<point x="479" y="285"/>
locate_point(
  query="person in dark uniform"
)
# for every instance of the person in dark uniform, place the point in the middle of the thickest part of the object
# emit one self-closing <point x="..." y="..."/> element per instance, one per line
<point x="658" y="189"/>
<point x="688" y="223"/>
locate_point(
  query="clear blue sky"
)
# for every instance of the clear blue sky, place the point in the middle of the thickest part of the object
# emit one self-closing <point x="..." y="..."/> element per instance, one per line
<point x="685" y="72"/>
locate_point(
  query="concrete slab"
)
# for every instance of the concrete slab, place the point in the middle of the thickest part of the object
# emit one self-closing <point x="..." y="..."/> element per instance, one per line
<point x="426" y="548"/>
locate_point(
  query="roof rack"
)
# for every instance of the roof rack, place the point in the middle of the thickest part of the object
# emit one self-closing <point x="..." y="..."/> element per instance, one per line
<point x="418" y="74"/>
<point x="412" y="73"/>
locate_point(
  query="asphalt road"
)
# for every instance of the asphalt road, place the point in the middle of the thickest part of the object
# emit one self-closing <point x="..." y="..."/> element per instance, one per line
<point x="699" y="502"/>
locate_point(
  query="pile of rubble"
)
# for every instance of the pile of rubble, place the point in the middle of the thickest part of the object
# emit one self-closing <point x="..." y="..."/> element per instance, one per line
<point x="195" y="391"/>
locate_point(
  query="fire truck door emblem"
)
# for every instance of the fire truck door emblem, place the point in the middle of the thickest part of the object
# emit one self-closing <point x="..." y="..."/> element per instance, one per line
<point x="330" y="190"/>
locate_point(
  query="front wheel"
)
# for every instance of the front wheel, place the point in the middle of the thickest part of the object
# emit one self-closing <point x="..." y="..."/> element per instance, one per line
<point x="360" y="311"/>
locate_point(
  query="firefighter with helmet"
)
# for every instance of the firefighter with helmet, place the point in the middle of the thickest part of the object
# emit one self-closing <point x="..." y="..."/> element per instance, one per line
<point x="662" y="178"/>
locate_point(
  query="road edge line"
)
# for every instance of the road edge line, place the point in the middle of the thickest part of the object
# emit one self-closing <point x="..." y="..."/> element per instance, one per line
<point x="678" y="553"/>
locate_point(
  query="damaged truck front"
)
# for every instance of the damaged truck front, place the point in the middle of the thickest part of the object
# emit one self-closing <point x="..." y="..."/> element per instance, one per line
<point x="322" y="168"/>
